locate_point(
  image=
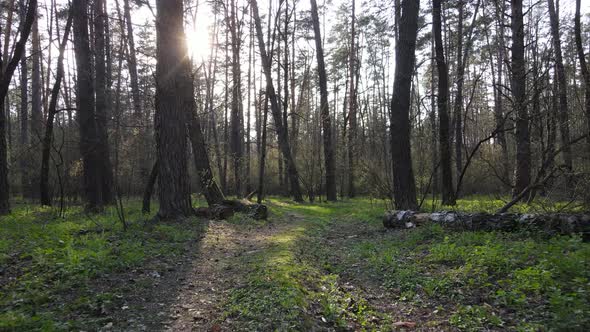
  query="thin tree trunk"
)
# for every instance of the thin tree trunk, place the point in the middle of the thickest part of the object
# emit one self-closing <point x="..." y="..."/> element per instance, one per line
<point x="352" y="101"/>
<point x="329" y="156"/>
<point x="36" y="105"/>
<point x="102" y="101"/>
<point x="24" y="116"/>
<point x="8" y="67"/>
<point x="583" y="68"/>
<point x="522" y="175"/>
<point x="443" y="93"/>
<point x="212" y="193"/>
<point x="563" y="106"/>
<point x="51" y="112"/>
<point x="236" y="136"/>
<point x="281" y="132"/>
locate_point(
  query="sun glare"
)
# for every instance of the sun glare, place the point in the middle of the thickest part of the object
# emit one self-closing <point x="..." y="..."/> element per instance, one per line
<point x="197" y="40"/>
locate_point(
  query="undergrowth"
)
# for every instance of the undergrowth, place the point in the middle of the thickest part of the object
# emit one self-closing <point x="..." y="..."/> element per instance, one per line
<point x="53" y="270"/>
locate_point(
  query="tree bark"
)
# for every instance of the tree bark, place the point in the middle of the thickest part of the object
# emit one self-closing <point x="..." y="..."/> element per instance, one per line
<point x="522" y="175"/>
<point x="583" y="67"/>
<point x="404" y="186"/>
<point x="89" y="132"/>
<point x="276" y="111"/>
<point x="24" y="117"/>
<point x="237" y="130"/>
<point x="442" y="104"/>
<point x="174" y="101"/>
<point x="352" y="102"/>
<point x="102" y="101"/>
<point x="36" y="105"/>
<point x="563" y="106"/>
<point x="329" y="156"/>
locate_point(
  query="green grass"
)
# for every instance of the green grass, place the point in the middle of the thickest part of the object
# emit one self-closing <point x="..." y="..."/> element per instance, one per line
<point x="55" y="264"/>
<point x="320" y="269"/>
<point x="473" y="280"/>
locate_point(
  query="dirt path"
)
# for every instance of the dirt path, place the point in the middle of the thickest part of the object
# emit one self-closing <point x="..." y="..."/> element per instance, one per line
<point x="214" y="273"/>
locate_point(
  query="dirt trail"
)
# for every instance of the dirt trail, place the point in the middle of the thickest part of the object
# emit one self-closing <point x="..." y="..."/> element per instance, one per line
<point x="214" y="273"/>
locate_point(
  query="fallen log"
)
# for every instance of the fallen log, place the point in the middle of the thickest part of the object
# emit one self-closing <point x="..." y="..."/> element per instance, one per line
<point x="552" y="223"/>
<point x="228" y="208"/>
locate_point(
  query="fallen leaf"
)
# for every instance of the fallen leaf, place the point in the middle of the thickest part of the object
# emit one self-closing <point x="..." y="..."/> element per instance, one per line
<point x="405" y="324"/>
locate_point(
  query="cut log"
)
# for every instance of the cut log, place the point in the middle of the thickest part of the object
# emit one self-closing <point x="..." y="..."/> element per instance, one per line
<point x="228" y="207"/>
<point x="552" y="224"/>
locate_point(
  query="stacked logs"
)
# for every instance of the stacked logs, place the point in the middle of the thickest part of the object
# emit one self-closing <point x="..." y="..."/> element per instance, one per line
<point x="551" y="224"/>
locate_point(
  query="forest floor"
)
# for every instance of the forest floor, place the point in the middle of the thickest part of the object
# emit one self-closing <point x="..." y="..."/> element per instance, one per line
<point x="309" y="267"/>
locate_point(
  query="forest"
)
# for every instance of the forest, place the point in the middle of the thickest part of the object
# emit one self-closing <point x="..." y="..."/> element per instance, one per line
<point x="294" y="165"/>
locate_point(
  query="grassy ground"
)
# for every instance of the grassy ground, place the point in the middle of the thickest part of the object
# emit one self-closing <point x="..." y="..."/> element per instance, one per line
<point x="327" y="266"/>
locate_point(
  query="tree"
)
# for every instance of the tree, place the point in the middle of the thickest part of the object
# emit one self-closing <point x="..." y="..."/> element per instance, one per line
<point x="174" y="102"/>
<point x="92" y="146"/>
<point x="442" y="105"/>
<point x="352" y="105"/>
<point x="562" y="85"/>
<point x="24" y="116"/>
<point x="102" y="100"/>
<point x="51" y="112"/>
<point x="522" y="175"/>
<point x="36" y="104"/>
<point x="237" y="130"/>
<point x="8" y="65"/>
<point x="404" y="187"/>
<point x="583" y="66"/>
<point x="329" y="157"/>
<point x="275" y="109"/>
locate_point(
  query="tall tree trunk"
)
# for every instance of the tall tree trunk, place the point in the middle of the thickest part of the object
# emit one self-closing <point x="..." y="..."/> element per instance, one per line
<point x="24" y="116"/>
<point x="462" y="59"/>
<point x="352" y="102"/>
<point x="522" y="175"/>
<point x="499" y="93"/>
<point x="563" y="107"/>
<point x="36" y="105"/>
<point x="433" y="128"/>
<point x="404" y="187"/>
<point x="442" y="103"/>
<point x="249" y="105"/>
<point x="7" y="68"/>
<point x="583" y="68"/>
<point x="458" y="111"/>
<point x="89" y="132"/>
<point x="141" y="135"/>
<point x="174" y="101"/>
<point x="102" y="100"/>
<point x="51" y="112"/>
<point x="236" y="136"/>
<point x="276" y="111"/>
<point x="329" y="156"/>
<point x="132" y="61"/>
